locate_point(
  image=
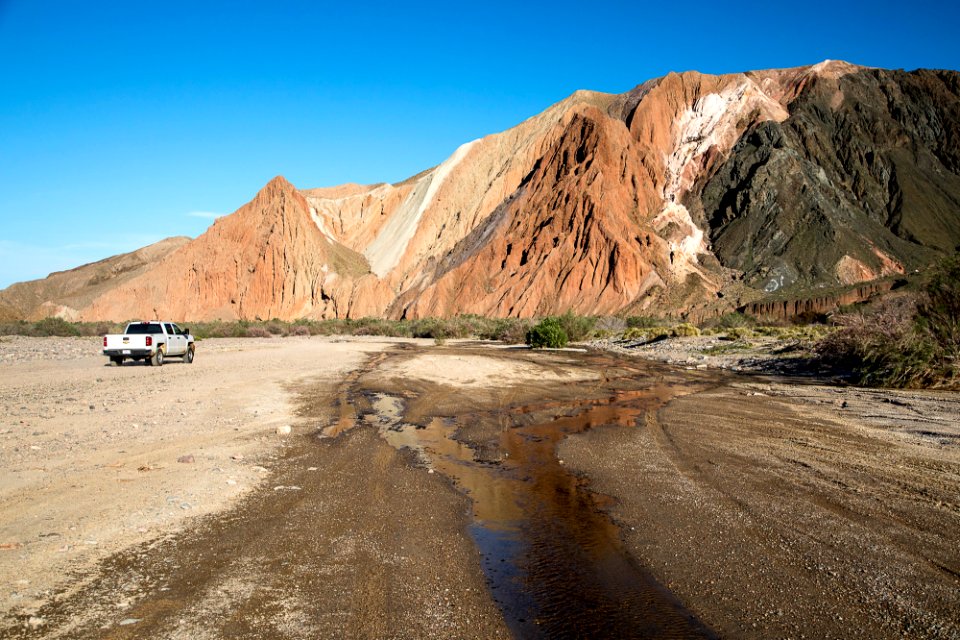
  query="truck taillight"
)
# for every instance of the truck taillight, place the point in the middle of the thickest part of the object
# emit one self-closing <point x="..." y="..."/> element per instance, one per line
<point x="149" y="341"/>
<point x="104" y="340"/>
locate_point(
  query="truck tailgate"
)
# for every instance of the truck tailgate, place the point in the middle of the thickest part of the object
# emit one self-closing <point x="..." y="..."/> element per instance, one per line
<point x="117" y="341"/>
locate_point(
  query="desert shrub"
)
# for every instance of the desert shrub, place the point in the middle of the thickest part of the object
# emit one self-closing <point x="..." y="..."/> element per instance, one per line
<point x="906" y="342"/>
<point x="738" y="333"/>
<point x="577" y="328"/>
<point x="770" y="331"/>
<point x="610" y="325"/>
<point x="102" y="328"/>
<point x="219" y="329"/>
<point x="53" y="326"/>
<point x="643" y="322"/>
<point x="258" y="332"/>
<point x="431" y="328"/>
<point x="275" y="327"/>
<point x="809" y="332"/>
<point x="507" y="330"/>
<point x="938" y="314"/>
<point x="371" y="326"/>
<point x="468" y="325"/>
<point x="809" y="317"/>
<point x="299" y="330"/>
<point x="685" y="330"/>
<point x="734" y="320"/>
<point x="651" y="333"/>
<point x="14" y="328"/>
<point x="547" y="333"/>
<point x="328" y="328"/>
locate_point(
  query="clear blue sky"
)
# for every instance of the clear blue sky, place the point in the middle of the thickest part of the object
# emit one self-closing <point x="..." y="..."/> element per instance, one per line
<point x="122" y="123"/>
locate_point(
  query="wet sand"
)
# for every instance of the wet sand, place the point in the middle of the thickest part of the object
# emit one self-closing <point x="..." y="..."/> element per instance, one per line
<point x="788" y="510"/>
<point x="755" y="507"/>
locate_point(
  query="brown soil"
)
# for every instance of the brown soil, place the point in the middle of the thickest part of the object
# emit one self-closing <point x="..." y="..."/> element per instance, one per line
<point x="782" y="510"/>
<point x="338" y="538"/>
<point x="767" y="507"/>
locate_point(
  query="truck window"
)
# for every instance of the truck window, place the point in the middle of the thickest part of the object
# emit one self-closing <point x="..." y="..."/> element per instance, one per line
<point x="176" y="330"/>
<point x="144" y="327"/>
<point x="169" y="329"/>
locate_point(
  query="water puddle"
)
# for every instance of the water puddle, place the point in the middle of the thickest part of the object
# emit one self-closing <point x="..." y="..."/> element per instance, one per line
<point x="552" y="556"/>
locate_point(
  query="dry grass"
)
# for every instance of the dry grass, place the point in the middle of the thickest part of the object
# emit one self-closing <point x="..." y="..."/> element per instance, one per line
<point x="910" y="341"/>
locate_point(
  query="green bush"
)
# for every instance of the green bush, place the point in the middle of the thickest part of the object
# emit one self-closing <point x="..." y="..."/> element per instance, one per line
<point x="577" y="328"/>
<point x="53" y="326"/>
<point x="431" y="328"/>
<point x="506" y="330"/>
<point x="547" y="333"/>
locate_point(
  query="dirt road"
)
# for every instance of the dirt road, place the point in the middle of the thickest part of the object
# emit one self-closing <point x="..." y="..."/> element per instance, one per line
<point x="750" y="507"/>
<point x="97" y="460"/>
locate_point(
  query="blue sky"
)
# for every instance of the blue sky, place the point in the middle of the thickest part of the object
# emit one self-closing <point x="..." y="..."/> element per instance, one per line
<point x="122" y="123"/>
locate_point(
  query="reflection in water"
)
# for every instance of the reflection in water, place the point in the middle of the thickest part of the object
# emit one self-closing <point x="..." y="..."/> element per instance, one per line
<point x="553" y="558"/>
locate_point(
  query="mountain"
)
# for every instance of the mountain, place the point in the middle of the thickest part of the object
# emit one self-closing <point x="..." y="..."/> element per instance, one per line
<point x="65" y="293"/>
<point x="690" y="195"/>
<point x="272" y="258"/>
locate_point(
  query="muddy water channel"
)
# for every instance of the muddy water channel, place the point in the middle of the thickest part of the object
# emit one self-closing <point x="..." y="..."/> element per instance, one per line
<point x="552" y="555"/>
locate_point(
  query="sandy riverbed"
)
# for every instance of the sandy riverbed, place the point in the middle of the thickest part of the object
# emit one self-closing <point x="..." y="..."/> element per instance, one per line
<point x="96" y="458"/>
<point x="769" y="507"/>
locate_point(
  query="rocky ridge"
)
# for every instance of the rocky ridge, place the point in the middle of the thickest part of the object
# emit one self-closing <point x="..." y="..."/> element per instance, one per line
<point x="690" y="195"/>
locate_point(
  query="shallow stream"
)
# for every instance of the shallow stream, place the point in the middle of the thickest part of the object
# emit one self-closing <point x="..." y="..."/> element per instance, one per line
<point x="551" y="553"/>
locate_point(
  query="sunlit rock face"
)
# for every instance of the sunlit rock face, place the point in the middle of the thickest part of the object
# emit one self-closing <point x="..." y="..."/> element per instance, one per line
<point x="691" y="194"/>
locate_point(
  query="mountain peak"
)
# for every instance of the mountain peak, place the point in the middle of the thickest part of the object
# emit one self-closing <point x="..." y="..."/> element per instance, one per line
<point x="279" y="181"/>
<point x="834" y="68"/>
<point x="277" y="187"/>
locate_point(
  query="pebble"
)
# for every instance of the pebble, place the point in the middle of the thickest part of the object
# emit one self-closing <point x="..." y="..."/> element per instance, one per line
<point x="35" y="622"/>
<point x="284" y="430"/>
<point x="187" y="459"/>
<point x="128" y="621"/>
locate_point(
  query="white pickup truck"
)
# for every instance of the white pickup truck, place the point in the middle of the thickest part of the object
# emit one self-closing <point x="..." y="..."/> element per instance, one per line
<point x="151" y="341"/>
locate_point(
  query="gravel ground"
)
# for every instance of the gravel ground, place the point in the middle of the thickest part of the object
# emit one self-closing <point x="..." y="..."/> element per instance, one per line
<point x="778" y="507"/>
<point x="759" y="354"/>
<point x="138" y="501"/>
<point x="168" y="502"/>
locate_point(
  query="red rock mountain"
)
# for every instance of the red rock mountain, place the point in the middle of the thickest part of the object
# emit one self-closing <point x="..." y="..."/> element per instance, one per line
<point x="690" y="194"/>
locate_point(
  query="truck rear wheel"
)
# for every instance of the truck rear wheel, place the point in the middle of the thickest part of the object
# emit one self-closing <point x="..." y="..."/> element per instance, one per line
<point x="116" y="360"/>
<point x="157" y="359"/>
<point x="188" y="356"/>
